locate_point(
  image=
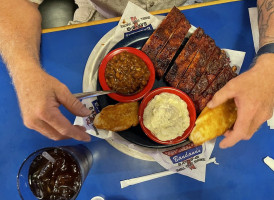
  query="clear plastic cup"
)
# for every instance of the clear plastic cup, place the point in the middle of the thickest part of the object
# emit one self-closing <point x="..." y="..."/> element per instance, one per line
<point x="79" y="155"/>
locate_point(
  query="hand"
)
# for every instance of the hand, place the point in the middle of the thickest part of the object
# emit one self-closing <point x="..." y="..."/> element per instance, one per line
<point x="39" y="96"/>
<point x="253" y="93"/>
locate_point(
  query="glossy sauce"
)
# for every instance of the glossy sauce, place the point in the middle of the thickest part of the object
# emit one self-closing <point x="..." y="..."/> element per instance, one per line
<point x="126" y="73"/>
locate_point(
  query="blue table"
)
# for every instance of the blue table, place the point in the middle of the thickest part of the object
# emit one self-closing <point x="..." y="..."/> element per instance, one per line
<point x="241" y="173"/>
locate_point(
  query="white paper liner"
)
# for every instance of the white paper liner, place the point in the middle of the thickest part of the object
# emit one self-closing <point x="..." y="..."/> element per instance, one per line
<point x="134" y="181"/>
<point x="187" y="160"/>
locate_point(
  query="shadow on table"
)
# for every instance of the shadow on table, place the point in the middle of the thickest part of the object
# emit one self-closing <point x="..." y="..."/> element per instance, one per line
<point x="116" y="198"/>
<point x="107" y="159"/>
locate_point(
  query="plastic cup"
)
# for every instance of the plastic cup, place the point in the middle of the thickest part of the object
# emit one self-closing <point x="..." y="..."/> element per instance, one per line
<point x="81" y="156"/>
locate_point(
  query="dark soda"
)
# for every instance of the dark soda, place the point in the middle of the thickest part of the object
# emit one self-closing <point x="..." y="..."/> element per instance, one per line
<point x="57" y="180"/>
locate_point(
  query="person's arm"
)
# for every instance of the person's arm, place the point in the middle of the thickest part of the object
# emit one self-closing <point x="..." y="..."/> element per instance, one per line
<point x="253" y="91"/>
<point x="266" y="21"/>
<point x="39" y="94"/>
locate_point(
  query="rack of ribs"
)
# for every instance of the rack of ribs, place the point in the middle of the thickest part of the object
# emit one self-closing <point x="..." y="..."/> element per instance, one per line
<point x="164" y="58"/>
<point x="198" y="65"/>
<point x="200" y="69"/>
<point x="225" y="75"/>
<point x="160" y="36"/>
<point x="185" y="58"/>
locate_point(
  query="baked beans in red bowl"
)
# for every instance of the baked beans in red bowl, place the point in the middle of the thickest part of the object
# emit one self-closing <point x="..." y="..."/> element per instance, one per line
<point x="127" y="71"/>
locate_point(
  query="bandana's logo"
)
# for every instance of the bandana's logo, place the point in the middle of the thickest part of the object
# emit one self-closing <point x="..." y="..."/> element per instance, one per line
<point x="94" y="110"/>
<point x="135" y="21"/>
<point x="176" y="151"/>
<point x="135" y="25"/>
<point x="190" y="165"/>
<point x="186" y="154"/>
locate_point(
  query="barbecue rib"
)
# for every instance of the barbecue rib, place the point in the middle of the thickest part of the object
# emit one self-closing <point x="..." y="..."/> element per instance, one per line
<point x="184" y="59"/>
<point x="213" y="68"/>
<point x="200" y="68"/>
<point x="164" y="58"/>
<point x="160" y="36"/>
<point x="197" y="67"/>
<point x="225" y="75"/>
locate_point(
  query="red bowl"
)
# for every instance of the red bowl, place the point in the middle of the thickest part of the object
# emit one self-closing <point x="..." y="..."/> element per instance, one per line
<point x="190" y="107"/>
<point x="135" y="96"/>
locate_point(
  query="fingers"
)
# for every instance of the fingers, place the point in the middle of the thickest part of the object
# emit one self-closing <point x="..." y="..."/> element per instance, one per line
<point x="240" y="129"/>
<point x="81" y="128"/>
<point x="48" y="131"/>
<point x="247" y="123"/>
<point x="221" y="96"/>
<point x="231" y="138"/>
<point x="257" y="121"/>
<point x="71" y="103"/>
<point x="62" y="125"/>
<point x="45" y="129"/>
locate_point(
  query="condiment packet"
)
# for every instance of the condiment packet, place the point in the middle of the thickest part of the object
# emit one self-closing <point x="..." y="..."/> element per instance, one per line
<point x="253" y="15"/>
<point x="187" y="159"/>
<point x="269" y="162"/>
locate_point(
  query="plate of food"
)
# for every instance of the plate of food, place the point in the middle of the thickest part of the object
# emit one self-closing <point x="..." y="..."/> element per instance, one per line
<point x="184" y="58"/>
